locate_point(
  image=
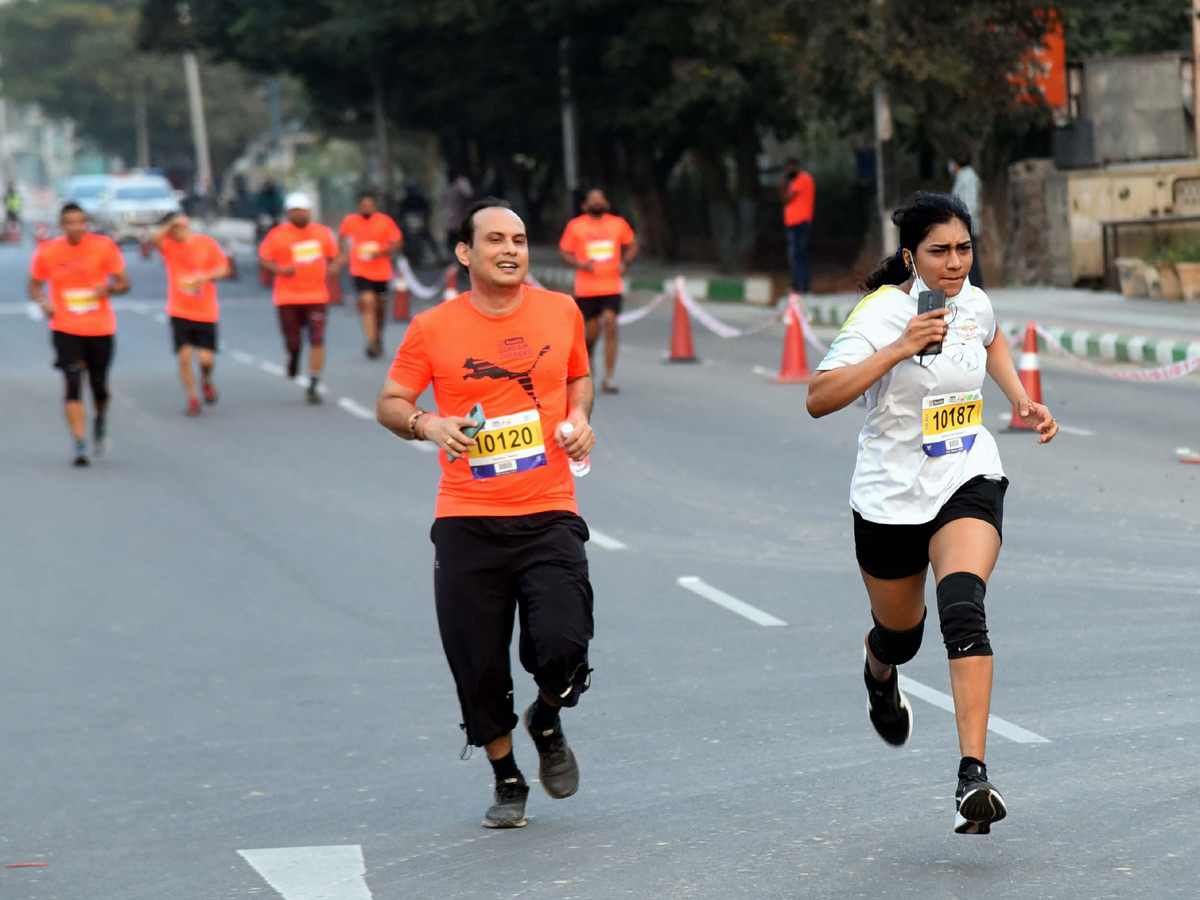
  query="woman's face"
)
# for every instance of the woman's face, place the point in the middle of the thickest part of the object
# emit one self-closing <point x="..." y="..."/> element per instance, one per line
<point x="944" y="257"/>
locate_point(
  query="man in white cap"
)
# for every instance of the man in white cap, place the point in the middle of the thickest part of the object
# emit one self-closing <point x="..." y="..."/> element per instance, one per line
<point x="298" y="253"/>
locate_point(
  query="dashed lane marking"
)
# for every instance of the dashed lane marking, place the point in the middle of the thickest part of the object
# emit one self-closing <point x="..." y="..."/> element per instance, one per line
<point x="356" y="409"/>
<point x="600" y="539"/>
<point x="243" y="357"/>
<point x="312" y="873"/>
<point x="999" y="726"/>
<point x="733" y="604"/>
<point x="272" y="368"/>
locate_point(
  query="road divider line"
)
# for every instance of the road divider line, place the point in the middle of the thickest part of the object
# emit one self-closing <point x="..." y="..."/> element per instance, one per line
<point x="243" y="357"/>
<point x="160" y="318"/>
<point x="313" y="873"/>
<point x="999" y="726"/>
<point x="733" y="604"/>
<point x="356" y="409"/>
<point x="1065" y="429"/>
<point x="272" y="368"/>
<point x="601" y="539"/>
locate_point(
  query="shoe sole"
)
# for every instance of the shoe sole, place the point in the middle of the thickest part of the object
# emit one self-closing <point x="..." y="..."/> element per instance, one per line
<point x="977" y="811"/>
<point x="904" y="704"/>
<point x="541" y="775"/>
<point x="507" y="823"/>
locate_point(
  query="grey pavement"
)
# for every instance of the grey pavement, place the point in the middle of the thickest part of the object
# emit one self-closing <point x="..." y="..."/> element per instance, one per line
<point x="221" y="638"/>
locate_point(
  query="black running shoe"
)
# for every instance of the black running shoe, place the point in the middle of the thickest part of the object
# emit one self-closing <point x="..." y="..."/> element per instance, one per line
<point x="81" y="460"/>
<point x="314" y="396"/>
<point x="509" y="809"/>
<point x="293" y="366"/>
<point x="558" y="770"/>
<point x="888" y="708"/>
<point x="977" y="804"/>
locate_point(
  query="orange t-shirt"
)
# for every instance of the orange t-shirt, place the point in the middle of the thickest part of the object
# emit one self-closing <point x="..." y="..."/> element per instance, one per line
<point x="599" y="240"/>
<point x="78" y="276"/>
<point x="308" y="249"/>
<point x="516" y="367"/>
<point x="198" y="255"/>
<point x="800" y="208"/>
<point x="367" y="237"/>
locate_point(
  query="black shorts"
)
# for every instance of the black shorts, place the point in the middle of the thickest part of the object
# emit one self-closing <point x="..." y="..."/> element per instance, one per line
<point x="898" y="551"/>
<point x="190" y="333"/>
<point x="367" y="284"/>
<point x="295" y="317"/>
<point x="591" y="307"/>
<point x="489" y="569"/>
<point x="95" y="352"/>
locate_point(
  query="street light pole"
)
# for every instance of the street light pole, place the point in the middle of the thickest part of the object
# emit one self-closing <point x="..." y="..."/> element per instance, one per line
<point x="1196" y="75"/>
<point x="569" y="136"/>
<point x="885" y="132"/>
<point x="191" y="70"/>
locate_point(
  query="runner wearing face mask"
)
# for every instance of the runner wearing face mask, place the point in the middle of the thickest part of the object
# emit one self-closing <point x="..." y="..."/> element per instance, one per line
<point x="928" y="485"/>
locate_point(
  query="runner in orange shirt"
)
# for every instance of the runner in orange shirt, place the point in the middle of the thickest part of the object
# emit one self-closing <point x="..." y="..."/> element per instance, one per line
<point x="374" y="240"/>
<point x="507" y="534"/>
<point x="83" y="270"/>
<point x="297" y="252"/>
<point x="194" y="264"/>
<point x="599" y="246"/>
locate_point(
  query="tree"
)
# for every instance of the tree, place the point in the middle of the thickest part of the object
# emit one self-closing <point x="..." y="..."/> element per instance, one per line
<point x="1116" y="27"/>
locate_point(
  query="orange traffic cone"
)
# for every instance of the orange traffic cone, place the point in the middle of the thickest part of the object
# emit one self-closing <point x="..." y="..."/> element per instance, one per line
<point x="1030" y="375"/>
<point x="233" y="266"/>
<point x="452" y="290"/>
<point x="144" y="247"/>
<point x="793" y="369"/>
<point x="1195" y="460"/>
<point x="333" y="281"/>
<point x="400" y="311"/>
<point x="681" y="335"/>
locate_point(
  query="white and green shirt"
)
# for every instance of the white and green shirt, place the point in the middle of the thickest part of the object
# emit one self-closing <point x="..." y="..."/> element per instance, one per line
<point x="896" y="480"/>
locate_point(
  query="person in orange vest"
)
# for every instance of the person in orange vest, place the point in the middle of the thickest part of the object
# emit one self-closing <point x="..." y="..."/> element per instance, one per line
<point x="83" y="270"/>
<point x="374" y="240"/>
<point x="297" y="253"/>
<point x="599" y="246"/>
<point x="798" y="192"/>
<point x="195" y="262"/>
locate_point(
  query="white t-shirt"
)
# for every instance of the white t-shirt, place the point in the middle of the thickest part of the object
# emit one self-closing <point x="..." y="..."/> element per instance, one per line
<point x="895" y="481"/>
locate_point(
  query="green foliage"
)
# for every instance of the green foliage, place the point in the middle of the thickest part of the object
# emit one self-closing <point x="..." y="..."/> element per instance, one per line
<point x="1116" y="27"/>
<point x="96" y="75"/>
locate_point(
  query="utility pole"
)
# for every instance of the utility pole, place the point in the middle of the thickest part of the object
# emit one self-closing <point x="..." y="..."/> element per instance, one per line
<point x="275" y="116"/>
<point x="141" y="125"/>
<point x="381" y="140"/>
<point x="885" y="134"/>
<point x="569" y="136"/>
<point x="1196" y="75"/>
<point x="191" y="69"/>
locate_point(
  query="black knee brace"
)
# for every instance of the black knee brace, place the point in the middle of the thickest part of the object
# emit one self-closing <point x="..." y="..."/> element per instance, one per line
<point x="960" y="606"/>
<point x="895" y="647"/>
<point x="99" y="390"/>
<point x="73" y="374"/>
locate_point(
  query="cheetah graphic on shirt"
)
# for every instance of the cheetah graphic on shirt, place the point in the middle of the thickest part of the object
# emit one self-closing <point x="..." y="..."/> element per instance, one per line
<point x="482" y="368"/>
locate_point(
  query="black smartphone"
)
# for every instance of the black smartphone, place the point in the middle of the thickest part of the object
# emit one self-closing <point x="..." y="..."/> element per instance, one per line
<point x="927" y="302"/>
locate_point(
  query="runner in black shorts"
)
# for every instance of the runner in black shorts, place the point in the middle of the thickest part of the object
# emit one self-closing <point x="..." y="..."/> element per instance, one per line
<point x="508" y="539"/>
<point x="593" y="308"/>
<point x="370" y="240"/>
<point x="928" y="485"/>
<point x="83" y="270"/>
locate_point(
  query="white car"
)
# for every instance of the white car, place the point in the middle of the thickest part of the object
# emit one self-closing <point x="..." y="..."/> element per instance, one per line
<point x="134" y="203"/>
<point x="89" y="191"/>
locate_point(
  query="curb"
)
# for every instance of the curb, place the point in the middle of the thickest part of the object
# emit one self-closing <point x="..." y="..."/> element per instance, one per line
<point x="756" y="289"/>
<point x="1112" y="346"/>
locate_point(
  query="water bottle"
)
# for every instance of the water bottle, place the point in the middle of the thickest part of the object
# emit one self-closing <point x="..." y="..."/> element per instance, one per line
<point x="579" y="467"/>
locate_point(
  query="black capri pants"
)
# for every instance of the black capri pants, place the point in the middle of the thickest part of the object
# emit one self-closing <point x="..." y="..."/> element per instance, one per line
<point x="75" y="354"/>
<point x="488" y="569"/>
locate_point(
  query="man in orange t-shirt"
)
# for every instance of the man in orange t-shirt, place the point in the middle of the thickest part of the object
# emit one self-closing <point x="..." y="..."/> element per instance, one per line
<point x="374" y="240"/>
<point x="83" y="270"/>
<point x="599" y="246"/>
<point x="798" y="192"/>
<point x="507" y="534"/>
<point x="195" y="262"/>
<point x="297" y="253"/>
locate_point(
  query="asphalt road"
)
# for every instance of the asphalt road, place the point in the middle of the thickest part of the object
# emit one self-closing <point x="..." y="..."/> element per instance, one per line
<point x="221" y="638"/>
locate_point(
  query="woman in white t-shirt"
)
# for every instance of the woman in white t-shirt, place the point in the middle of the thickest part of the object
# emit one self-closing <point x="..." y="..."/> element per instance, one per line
<point x="928" y="486"/>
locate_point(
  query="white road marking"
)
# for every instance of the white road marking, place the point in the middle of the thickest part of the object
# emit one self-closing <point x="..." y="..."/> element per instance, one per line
<point x="160" y="318"/>
<point x="1002" y="727"/>
<point x="1183" y="451"/>
<point x="272" y="368"/>
<point x="356" y="409"/>
<point x="243" y="357"/>
<point x="303" y="380"/>
<point x="764" y="372"/>
<point x="1065" y="429"/>
<point x="312" y="873"/>
<point x="733" y="604"/>
<point x="603" y="540"/>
